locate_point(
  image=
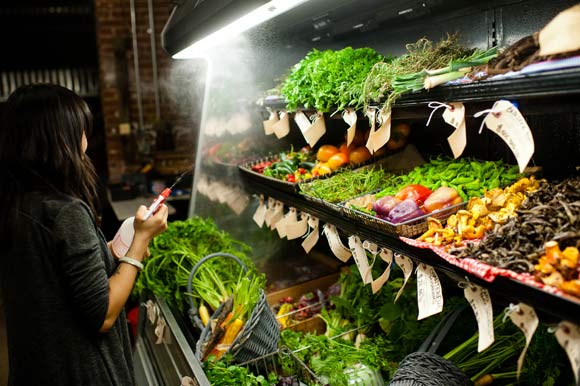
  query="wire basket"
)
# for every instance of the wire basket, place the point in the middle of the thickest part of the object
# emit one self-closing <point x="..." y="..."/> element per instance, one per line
<point x="283" y="363"/>
<point x="260" y="334"/>
<point x="408" y="228"/>
<point x="428" y="369"/>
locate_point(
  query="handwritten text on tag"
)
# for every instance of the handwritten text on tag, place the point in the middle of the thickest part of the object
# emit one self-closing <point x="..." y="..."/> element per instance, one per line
<point x="429" y="292"/>
<point x="480" y="302"/>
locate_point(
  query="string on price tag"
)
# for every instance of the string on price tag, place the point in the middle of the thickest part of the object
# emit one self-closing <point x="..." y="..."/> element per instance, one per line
<point x="406" y="265"/>
<point x="480" y="303"/>
<point x="429" y="292"/>
<point x="525" y="318"/>
<point x="312" y="238"/>
<point x="454" y="115"/>
<point x="509" y="124"/>
<point x="336" y="245"/>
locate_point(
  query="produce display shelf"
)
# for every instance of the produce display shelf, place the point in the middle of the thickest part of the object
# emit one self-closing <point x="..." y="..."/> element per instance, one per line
<point x="503" y="289"/>
<point x="534" y="85"/>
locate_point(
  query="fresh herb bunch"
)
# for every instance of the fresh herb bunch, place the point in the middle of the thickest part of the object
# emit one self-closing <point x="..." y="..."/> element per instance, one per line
<point x="327" y="80"/>
<point x="225" y="374"/>
<point x="178" y="249"/>
<point x="347" y="184"/>
<point x="421" y="55"/>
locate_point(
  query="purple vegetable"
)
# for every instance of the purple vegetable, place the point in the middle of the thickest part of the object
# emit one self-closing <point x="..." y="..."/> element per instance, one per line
<point x="384" y="205"/>
<point x="406" y="210"/>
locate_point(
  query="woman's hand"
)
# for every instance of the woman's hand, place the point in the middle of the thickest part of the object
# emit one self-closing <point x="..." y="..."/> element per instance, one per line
<point x="146" y="230"/>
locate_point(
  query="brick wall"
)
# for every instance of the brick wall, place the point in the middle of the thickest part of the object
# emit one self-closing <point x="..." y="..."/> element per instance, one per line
<point x="118" y="86"/>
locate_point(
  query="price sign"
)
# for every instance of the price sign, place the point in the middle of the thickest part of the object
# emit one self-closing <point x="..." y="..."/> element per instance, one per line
<point x="480" y="302"/>
<point x="406" y="265"/>
<point x="525" y="318"/>
<point x="336" y="246"/>
<point x="429" y="292"/>
<point x="455" y="116"/>
<point x="350" y="117"/>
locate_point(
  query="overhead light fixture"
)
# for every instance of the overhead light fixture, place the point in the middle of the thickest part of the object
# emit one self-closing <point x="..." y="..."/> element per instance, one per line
<point x="258" y="16"/>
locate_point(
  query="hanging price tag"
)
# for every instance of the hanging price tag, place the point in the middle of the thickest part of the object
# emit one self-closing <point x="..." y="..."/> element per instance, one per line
<point x="311" y="240"/>
<point x="282" y="127"/>
<point x="289" y="218"/>
<point x="160" y="331"/>
<point x="429" y="292"/>
<point x="269" y="124"/>
<point x="371" y="247"/>
<point x="311" y="132"/>
<point x="277" y="215"/>
<point x="506" y="121"/>
<point x="188" y="381"/>
<point x="406" y="265"/>
<point x="480" y="302"/>
<point x="525" y="318"/>
<point x="371" y="113"/>
<point x="238" y="202"/>
<point x="350" y="117"/>
<point x="386" y="256"/>
<point x="568" y="335"/>
<point x="260" y="212"/>
<point x="455" y="116"/>
<point x="360" y="257"/>
<point x="151" y="311"/>
<point x="336" y="246"/>
<point x="380" y="137"/>
<point x="298" y="229"/>
<point x="269" y="211"/>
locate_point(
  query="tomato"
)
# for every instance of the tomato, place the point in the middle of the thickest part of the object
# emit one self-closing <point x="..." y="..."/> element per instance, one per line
<point x="344" y="149"/>
<point x="417" y="193"/>
<point x="359" y="155"/>
<point x="337" y="160"/>
<point x="325" y="152"/>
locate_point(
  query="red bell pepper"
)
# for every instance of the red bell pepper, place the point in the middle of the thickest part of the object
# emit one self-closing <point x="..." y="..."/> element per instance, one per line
<point x="415" y="192"/>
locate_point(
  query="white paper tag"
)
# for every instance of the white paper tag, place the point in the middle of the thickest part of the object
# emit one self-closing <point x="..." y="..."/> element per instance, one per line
<point x="380" y="137"/>
<point x="282" y="127"/>
<point x="302" y="121"/>
<point x="455" y="116"/>
<point x="260" y="212"/>
<point x="568" y="335"/>
<point x="316" y="130"/>
<point x="269" y="211"/>
<point x="277" y="215"/>
<point x="151" y="311"/>
<point x="336" y="246"/>
<point x="371" y="113"/>
<point x="371" y="247"/>
<point x="386" y="256"/>
<point x="480" y="302"/>
<point x="188" y="381"/>
<point x="311" y="240"/>
<point x="238" y="202"/>
<point x="289" y="218"/>
<point x="350" y="118"/>
<point x="429" y="292"/>
<point x="160" y="331"/>
<point x="506" y="121"/>
<point x="360" y="257"/>
<point x="298" y="229"/>
<point x="525" y="318"/>
<point x="406" y="265"/>
<point x="269" y="124"/>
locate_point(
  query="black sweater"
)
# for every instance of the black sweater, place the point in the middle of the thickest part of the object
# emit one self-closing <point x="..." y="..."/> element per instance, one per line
<point x="55" y="284"/>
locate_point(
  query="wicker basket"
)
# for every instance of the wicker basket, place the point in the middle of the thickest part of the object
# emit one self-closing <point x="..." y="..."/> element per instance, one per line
<point x="428" y="369"/>
<point x="409" y="228"/>
<point x="260" y="334"/>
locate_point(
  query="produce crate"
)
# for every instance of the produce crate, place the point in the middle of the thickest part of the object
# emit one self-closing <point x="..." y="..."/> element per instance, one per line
<point x="408" y="228"/>
<point x="314" y="323"/>
<point x="283" y="363"/>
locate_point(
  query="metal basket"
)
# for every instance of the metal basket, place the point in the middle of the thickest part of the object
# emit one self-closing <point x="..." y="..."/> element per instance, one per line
<point x="283" y="363"/>
<point x="428" y="369"/>
<point x="260" y="334"/>
<point x="408" y="228"/>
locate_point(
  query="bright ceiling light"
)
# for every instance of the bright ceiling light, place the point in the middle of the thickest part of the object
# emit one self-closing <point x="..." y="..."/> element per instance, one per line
<point x="261" y="14"/>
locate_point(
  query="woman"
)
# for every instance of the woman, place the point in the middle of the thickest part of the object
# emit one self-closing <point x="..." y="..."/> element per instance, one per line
<point x="63" y="291"/>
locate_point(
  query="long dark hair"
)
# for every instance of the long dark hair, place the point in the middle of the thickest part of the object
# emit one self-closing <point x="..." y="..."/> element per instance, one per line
<point x="41" y="134"/>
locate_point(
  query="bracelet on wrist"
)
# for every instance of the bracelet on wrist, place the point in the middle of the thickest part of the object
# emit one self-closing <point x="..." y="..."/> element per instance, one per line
<point x="134" y="262"/>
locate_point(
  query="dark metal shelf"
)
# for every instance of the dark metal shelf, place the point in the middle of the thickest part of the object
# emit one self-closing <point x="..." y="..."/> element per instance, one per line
<point x="525" y="86"/>
<point x="503" y="289"/>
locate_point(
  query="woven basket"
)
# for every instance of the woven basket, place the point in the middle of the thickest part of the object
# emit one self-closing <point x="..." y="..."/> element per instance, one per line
<point x="260" y="334"/>
<point x="428" y="369"/>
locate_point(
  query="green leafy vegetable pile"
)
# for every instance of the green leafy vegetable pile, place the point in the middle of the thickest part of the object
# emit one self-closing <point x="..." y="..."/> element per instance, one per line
<point x="469" y="177"/>
<point x="327" y="80"/>
<point x="223" y="374"/>
<point x="347" y="184"/>
<point x="177" y="250"/>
